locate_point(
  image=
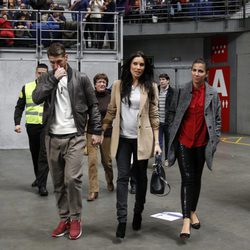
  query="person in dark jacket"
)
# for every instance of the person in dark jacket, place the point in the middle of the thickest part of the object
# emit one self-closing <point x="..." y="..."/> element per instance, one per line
<point x="68" y="98"/>
<point x="35" y="130"/>
<point x="194" y="134"/>
<point x="165" y="97"/>
<point x="108" y="23"/>
<point x="103" y="97"/>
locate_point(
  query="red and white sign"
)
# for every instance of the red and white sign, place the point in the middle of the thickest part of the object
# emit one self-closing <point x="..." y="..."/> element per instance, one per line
<point x="219" y="78"/>
<point x="219" y="49"/>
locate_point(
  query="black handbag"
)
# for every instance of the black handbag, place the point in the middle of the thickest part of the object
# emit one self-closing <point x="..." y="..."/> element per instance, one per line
<point x="158" y="184"/>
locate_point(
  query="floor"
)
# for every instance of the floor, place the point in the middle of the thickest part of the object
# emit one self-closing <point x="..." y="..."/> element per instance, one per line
<point x="27" y="219"/>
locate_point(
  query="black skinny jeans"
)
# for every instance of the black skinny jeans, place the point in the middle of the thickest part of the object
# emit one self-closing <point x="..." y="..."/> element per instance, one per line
<point x="126" y="148"/>
<point x="191" y="162"/>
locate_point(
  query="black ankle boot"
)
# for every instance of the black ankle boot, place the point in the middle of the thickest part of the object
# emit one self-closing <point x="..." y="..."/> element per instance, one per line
<point x="136" y="224"/>
<point x="121" y="230"/>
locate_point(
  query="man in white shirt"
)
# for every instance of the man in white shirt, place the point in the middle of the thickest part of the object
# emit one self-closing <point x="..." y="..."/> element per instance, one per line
<point x="68" y="98"/>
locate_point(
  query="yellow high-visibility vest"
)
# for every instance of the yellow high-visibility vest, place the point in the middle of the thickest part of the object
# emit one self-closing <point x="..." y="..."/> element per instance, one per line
<point x="34" y="113"/>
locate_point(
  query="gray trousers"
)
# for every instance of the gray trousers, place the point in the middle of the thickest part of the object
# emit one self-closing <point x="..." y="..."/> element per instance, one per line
<point x="65" y="158"/>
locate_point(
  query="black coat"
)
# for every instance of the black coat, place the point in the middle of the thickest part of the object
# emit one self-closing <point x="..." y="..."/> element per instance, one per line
<point x="168" y="100"/>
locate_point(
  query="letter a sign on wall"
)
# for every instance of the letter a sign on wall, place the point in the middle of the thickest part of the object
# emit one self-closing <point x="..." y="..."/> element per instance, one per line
<point x="219" y="78"/>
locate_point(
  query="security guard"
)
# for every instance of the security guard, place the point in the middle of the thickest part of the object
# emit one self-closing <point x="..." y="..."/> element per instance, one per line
<point x="35" y="131"/>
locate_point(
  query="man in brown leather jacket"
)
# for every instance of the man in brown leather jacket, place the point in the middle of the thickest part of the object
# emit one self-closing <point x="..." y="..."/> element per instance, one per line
<point x="68" y="99"/>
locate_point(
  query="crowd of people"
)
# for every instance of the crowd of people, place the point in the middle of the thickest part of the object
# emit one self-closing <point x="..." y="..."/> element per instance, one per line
<point x="134" y="121"/>
<point x="55" y="23"/>
<point x="19" y="24"/>
<point x="181" y="10"/>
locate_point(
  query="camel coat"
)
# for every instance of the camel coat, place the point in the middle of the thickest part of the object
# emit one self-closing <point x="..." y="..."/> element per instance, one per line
<point x="148" y="120"/>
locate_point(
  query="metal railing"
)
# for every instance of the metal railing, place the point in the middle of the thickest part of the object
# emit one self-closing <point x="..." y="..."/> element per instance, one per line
<point x="92" y="35"/>
<point x="45" y="27"/>
<point x="180" y="11"/>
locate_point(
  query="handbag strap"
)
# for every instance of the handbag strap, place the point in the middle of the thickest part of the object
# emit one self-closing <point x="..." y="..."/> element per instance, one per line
<point x="158" y="160"/>
<point x="167" y="185"/>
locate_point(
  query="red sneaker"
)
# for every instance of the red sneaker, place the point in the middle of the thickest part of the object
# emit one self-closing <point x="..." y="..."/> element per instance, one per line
<point x="62" y="228"/>
<point x="75" y="230"/>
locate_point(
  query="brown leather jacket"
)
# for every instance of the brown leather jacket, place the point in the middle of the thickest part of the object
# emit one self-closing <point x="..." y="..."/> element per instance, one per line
<point x="82" y="96"/>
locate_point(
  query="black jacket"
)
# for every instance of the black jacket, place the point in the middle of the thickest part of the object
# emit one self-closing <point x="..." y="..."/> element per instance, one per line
<point x="82" y="97"/>
<point x="103" y="102"/>
<point x="168" y="100"/>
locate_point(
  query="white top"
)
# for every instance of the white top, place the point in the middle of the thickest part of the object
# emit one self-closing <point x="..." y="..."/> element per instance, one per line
<point x="129" y="115"/>
<point x="162" y="101"/>
<point x="96" y="8"/>
<point x="63" y="123"/>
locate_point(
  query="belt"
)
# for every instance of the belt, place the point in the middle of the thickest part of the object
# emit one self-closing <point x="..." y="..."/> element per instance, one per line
<point x="66" y="136"/>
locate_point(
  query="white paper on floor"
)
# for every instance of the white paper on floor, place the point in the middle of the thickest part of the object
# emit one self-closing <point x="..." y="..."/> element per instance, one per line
<point x="170" y="216"/>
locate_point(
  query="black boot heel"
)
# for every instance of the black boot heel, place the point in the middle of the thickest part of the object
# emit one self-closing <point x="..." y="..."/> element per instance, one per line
<point x="136" y="224"/>
<point x="121" y="230"/>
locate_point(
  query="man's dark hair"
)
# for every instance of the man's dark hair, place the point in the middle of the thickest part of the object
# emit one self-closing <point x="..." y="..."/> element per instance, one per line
<point x="56" y="49"/>
<point x="101" y="76"/>
<point x="42" y="65"/>
<point x="164" y="76"/>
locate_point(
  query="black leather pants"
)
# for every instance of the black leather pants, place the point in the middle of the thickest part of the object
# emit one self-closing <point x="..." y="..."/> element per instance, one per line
<point x="191" y="162"/>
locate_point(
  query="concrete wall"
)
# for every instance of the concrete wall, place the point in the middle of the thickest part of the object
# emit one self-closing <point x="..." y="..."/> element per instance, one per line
<point x="15" y="72"/>
<point x="243" y="83"/>
<point x="93" y="64"/>
<point x="13" y="75"/>
<point x="164" y="50"/>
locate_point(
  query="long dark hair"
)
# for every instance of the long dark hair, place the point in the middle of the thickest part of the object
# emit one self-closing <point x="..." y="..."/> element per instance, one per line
<point x="146" y="79"/>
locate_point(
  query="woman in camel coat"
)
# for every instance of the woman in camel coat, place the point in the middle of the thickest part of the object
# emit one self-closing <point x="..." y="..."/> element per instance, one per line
<point x="133" y="112"/>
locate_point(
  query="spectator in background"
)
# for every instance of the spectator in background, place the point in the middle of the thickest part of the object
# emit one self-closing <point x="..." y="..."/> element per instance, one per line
<point x="120" y="5"/>
<point x="5" y="14"/>
<point x="25" y="10"/>
<point x="6" y="31"/>
<point x="18" y="3"/>
<point x="88" y="30"/>
<point x="107" y="24"/>
<point x="96" y="17"/>
<point x="35" y="130"/>
<point x="3" y="3"/>
<point x="11" y="12"/>
<point x="40" y="4"/>
<point x="165" y="97"/>
<point x="78" y="5"/>
<point x="57" y="16"/>
<point x="159" y="9"/>
<point x="103" y="97"/>
<point x="175" y="8"/>
<point x="22" y="30"/>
